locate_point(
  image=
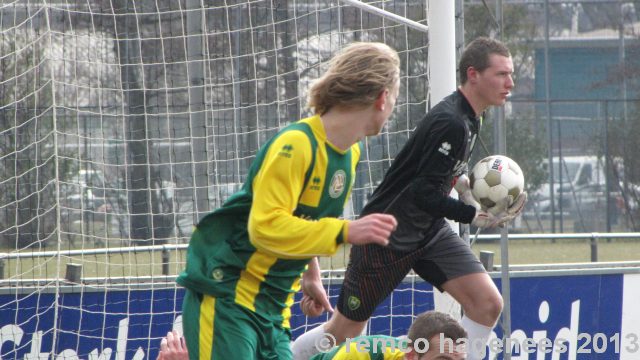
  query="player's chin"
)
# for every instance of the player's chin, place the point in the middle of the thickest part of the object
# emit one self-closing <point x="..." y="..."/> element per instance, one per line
<point x="500" y="101"/>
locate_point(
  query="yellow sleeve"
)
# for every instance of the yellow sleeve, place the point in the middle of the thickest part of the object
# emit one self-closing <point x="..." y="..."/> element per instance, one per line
<point x="276" y="189"/>
<point x="362" y="348"/>
<point x="352" y="353"/>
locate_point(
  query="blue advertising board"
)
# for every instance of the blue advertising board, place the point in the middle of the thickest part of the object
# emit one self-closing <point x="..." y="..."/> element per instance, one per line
<point x="578" y="315"/>
<point x="581" y="317"/>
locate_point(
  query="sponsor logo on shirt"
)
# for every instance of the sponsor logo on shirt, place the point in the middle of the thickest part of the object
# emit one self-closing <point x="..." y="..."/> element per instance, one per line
<point x="445" y="147"/>
<point x="337" y="184"/>
<point x="315" y="183"/>
<point x="286" y="151"/>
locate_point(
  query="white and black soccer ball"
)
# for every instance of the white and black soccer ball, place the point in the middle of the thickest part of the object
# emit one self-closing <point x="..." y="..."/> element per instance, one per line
<point x="494" y="178"/>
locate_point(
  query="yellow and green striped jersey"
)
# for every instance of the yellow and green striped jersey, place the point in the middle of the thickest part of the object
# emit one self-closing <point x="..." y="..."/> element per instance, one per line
<point x="257" y="244"/>
<point x="374" y="347"/>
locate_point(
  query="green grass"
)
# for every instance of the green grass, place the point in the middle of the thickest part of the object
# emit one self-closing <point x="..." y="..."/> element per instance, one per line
<point x="563" y="251"/>
<point x="102" y="266"/>
<point x="147" y="264"/>
<point x="541" y="252"/>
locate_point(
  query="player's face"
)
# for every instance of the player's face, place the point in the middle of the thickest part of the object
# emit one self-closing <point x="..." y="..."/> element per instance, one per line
<point x="391" y="98"/>
<point x="495" y="82"/>
<point x="389" y="103"/>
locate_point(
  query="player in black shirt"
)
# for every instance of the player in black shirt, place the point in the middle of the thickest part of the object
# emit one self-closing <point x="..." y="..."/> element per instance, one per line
<point x="416" y="190"/>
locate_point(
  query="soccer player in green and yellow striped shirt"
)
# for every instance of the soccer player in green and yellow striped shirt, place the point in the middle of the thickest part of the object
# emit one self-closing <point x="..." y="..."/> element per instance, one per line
<point x="432" y="336"/>
<point x="245" y="259"/>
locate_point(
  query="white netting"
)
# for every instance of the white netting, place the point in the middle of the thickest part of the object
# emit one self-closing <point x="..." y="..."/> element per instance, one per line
<point x="123" y="123"/>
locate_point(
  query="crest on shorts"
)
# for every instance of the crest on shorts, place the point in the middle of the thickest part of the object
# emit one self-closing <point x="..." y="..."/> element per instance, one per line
<point x="217" y="274"/>
<point x="337" y="184"/>
<point x="353" y="302"/>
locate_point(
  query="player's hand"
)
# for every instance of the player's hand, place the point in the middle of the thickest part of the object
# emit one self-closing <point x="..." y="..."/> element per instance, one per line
<point x="513" y="209"/>
<point x="462" y="184"/>
<point x="314" y="299"/>
<point x="518" y="204"/>
<point x="501" y="213"/>
<point x="310" y="307"/>
<point x="463" y="187"/>
<point x="485" y="219"/>
<point x="372" y="229"/>
<point x="172" y="347"/>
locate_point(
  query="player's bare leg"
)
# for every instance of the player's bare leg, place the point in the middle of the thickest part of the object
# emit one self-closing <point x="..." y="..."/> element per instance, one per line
<point x="342" y="328"/>
<point x="339" y="327"/>
<point x="482" y="305"/>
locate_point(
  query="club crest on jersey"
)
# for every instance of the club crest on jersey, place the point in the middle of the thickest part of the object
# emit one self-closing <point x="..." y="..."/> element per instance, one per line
<point x="353" y="302"/>
<point x="217" y="274"/>
<point x="445" y="147"/>
<point x="337" y="184"/>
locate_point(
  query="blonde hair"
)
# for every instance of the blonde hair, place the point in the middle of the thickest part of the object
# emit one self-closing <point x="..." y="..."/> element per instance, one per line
<point x="356" y="77"/>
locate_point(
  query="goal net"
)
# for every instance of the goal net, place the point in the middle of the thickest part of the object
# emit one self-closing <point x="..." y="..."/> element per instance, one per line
<point x="123" y="122"/>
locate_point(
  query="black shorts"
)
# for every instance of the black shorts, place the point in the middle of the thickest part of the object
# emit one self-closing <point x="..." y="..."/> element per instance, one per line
<point x="375" y="271"/>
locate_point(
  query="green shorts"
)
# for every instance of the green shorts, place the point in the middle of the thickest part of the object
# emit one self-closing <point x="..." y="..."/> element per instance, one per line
<point x="218" y="328"/>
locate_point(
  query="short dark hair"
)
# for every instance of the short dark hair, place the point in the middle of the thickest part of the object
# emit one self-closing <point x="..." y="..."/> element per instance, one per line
<point x="432" y="323"/>
<point x="477" y="53"/>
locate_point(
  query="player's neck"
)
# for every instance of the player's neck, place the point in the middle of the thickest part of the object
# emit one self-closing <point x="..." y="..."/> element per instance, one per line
<point x="478" y="105"/>
<point x="344" y="128"/>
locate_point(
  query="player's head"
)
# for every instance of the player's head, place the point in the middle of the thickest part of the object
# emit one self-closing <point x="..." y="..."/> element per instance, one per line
<point x="486" y="66"/>
<point x="477" y="55"/>
<point x="435" y="326"/>
<point x="356" y="78"/>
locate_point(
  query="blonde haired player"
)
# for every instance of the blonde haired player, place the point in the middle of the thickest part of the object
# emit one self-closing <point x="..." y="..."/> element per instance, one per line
<point x="245" y="259"/>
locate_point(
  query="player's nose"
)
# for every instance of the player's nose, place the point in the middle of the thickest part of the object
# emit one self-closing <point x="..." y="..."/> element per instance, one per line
<point x="510" y="83"/>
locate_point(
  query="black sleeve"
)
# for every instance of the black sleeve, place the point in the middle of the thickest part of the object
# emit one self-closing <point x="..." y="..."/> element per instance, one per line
<point x="443" y="144"/>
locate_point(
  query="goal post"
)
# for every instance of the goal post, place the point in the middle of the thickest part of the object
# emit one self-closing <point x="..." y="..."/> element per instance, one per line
<point x="124" y="122"/>
<point x="442" y="74"/>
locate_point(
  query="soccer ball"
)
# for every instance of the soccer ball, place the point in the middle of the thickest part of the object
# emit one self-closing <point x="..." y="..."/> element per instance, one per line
<point x="494" y="178"/>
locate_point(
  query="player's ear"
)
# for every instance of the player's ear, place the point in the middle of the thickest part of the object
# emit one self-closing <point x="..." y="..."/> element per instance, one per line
<point x="472" y="74"/>
<point x="382" y="99"/>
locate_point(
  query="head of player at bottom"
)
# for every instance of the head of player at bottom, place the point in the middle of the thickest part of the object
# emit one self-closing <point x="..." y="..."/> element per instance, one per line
<point x="432" y="336"/>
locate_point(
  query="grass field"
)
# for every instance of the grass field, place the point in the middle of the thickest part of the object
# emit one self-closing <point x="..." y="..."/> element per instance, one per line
<point x="565" y="251"/>
<point x="147" y="264"/>
<point x="544" y="251"/>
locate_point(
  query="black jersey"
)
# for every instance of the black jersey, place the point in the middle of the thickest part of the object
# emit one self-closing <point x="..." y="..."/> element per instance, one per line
<point x="416" y="187"/>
